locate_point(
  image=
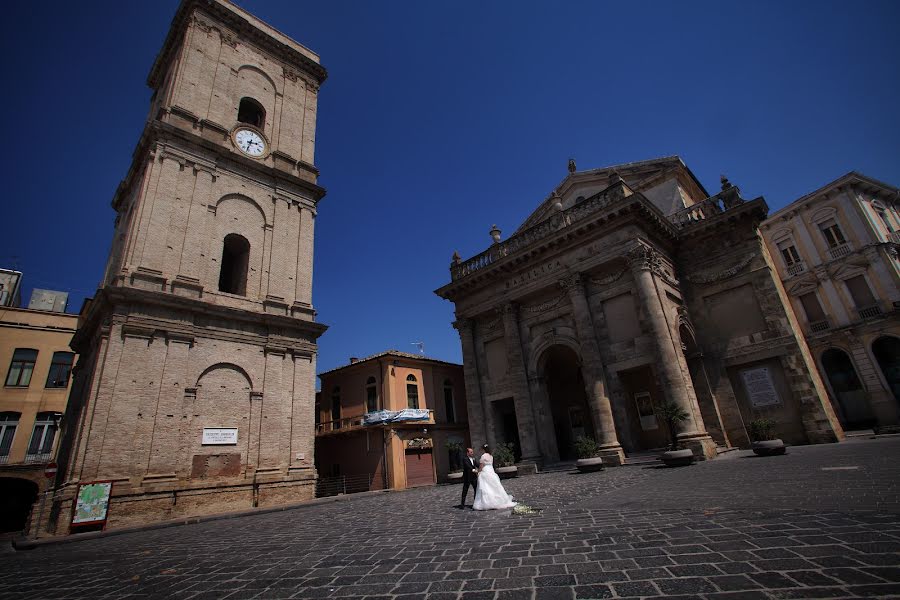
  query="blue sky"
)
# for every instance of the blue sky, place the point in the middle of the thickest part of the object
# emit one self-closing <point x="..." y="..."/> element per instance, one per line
<point x="439" y="119"/>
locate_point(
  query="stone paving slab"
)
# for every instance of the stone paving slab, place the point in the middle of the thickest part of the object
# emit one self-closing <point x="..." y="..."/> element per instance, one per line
<point x="737" y="528"/>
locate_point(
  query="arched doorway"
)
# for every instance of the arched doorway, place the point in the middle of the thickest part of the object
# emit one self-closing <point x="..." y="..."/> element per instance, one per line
<point x="568" y="399"/>
<point x="712" y="419"/>
<point x="887" y="352"/>
<point x="852" y="401"/>
<point x="17" y="496"/>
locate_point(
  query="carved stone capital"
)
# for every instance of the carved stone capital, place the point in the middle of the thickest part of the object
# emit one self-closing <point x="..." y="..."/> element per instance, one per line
<point x="463" y="325"/>
<point x="573" y="284"/>
<point x="643" y="258"/>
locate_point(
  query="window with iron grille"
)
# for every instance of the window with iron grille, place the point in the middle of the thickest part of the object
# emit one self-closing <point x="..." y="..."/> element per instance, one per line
<point x="45" y="426"/>
<point x="8" y="423"/>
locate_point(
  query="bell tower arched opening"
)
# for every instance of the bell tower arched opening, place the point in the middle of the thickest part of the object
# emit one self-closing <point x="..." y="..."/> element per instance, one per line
<point x="561" y="369"/>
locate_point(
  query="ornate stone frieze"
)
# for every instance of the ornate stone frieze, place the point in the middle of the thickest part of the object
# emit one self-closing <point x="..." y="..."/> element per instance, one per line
<point x="544" y="306"/>
<point x="609" y="278"/>
<point x="713" y="276"/>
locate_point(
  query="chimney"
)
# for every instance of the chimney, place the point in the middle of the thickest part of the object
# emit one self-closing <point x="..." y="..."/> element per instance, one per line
<point x="354" y="359"/>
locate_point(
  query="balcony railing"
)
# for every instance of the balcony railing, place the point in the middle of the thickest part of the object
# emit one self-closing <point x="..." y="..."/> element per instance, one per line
<point x="31" y="459"/>
<point x="869" y="312"/>
<point x="375" y="418"/>
<point x="894" y="237"/>
<point x="525" y="238"/>
<point x="4" y="459"/>
<point x="839" y="251"/>
<point x="796" y="268"/>
<point x="817" y="326"/>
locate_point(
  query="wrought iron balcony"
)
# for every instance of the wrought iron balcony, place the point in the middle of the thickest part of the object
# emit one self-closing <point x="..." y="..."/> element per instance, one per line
<point x="818" y="326"/>
<point x="796" y="268"/>
<point x="339" y="425"/>
<point x="869" y="312"/>
<point x="31" y="459"/>
<point x="839" y="251"/>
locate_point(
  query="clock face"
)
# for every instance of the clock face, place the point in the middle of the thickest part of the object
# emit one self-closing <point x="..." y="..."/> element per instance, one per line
<point x="250" y="143"/>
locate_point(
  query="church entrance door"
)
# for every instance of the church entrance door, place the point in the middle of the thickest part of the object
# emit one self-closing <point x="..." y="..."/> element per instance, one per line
<point x="568" y="400"/>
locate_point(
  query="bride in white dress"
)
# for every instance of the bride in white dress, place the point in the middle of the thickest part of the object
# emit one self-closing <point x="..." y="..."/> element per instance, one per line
<point x="490" y="492"/>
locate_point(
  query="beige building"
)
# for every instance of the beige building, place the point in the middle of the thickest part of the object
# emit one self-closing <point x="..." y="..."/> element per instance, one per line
<point x="196" y="393"/>
<point x="628" y="286"/>
<point x="385" y="422"/>
<point x="34" y="349"/>
<point x="835" y="250"/>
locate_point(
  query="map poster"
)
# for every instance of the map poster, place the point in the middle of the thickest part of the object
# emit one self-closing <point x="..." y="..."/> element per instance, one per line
<point x="760" y="388"/>
<point x="92" y="503"/>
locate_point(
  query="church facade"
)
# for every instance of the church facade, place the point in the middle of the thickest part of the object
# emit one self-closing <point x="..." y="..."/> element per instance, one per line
<point x="628" y="287"/>
<point x="195" y="388"/>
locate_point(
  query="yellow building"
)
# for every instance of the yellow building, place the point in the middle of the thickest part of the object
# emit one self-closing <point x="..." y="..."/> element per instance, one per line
<point x="835" y="250"/>
<point x="34" y="349"/>
<point x="385" y="422"/>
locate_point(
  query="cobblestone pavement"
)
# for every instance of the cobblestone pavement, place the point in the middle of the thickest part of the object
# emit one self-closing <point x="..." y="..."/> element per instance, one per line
<point x="820" y="522"/>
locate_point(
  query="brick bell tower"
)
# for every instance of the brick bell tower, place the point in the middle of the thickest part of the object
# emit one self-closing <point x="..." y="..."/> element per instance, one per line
<point x="195" y="388"/>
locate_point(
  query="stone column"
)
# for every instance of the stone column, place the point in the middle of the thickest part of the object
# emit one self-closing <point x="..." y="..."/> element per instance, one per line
<point x="547" y="442"/>
<point x="598" y="396"/>
<point x="643" y="260"/>
<point x="519" y="378"/>
<point x="474" y="401"/>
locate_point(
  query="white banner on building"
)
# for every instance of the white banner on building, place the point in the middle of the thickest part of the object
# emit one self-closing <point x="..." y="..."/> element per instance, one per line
<point x="220" y="436"/>
<point x="760" y="387"/>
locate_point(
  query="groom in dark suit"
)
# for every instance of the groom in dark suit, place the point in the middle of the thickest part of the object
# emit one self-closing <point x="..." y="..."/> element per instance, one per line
<point x="470" y="476"/>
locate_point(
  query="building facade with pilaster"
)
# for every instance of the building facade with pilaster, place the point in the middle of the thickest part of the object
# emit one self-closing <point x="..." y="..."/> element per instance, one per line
<point x="196" y="384"/>
<point x="627" y="287"/>
<point x="836" y="252"/>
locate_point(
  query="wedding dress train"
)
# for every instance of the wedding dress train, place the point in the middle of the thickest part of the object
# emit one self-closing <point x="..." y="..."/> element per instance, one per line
<point x="490" y="494"/>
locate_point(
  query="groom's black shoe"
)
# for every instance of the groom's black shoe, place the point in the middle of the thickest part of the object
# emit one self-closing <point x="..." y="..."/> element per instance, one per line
<point x="460" y="506"/>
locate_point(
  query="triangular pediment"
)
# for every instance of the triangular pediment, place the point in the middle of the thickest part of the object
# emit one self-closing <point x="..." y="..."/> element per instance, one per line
<point x="847" y="270"/>
<point x="667" y="183"/>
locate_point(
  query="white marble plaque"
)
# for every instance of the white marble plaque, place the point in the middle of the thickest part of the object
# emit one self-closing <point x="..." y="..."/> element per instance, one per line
<point x="760" y="387"/>
<point x="220" y="436"/>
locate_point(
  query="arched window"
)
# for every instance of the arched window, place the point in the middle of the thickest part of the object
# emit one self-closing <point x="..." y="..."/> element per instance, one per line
<point x="371" y="395"/>
<point x="336" y="408"/>
<point x="45" y="426"/>
<point x="449" y="407"/>
<point x="251" y="112"/>
<point x="412" y="392"/>
<point x="8" y="423"/>
<point x="21" y="367"/>
<point x="235" y="261"/>
<point x="60" y="369"/>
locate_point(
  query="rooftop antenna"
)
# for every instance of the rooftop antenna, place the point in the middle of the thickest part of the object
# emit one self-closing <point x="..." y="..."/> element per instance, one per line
<point x="420" y="346"/>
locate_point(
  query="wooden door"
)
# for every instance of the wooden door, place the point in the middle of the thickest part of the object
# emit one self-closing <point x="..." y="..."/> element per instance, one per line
<point x="419" y="467"/>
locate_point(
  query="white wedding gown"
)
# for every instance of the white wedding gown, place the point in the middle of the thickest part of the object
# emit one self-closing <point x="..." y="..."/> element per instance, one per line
<point x="490" y="492"/>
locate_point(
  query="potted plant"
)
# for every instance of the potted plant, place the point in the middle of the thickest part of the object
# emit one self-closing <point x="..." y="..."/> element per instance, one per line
<point x="672" y="414"/>
<point x="505" y="461"/>
<point x="762" y="438"/>
<point x="454" y="450"/>
<point x="588" y="453"/>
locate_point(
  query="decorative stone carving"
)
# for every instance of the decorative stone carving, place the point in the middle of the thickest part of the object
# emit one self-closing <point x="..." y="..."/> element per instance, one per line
<point x="608" y="279"/>
<point x="728" y="273"/>
<point x="643" y="258"/>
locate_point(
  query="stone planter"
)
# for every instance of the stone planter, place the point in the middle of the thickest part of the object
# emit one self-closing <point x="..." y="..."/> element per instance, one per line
<point x="455" y="477"/>
<point x="678" y="458"/>
<point x="589" y="465"/>
<point x="768" y="448"/>
<point x="507" y="472"/>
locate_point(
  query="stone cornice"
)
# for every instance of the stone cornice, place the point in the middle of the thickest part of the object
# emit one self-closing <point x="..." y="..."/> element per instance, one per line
<point x="234" y="20"/>
<point x="111" y="297"/>
<point x="156" y="132"/>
